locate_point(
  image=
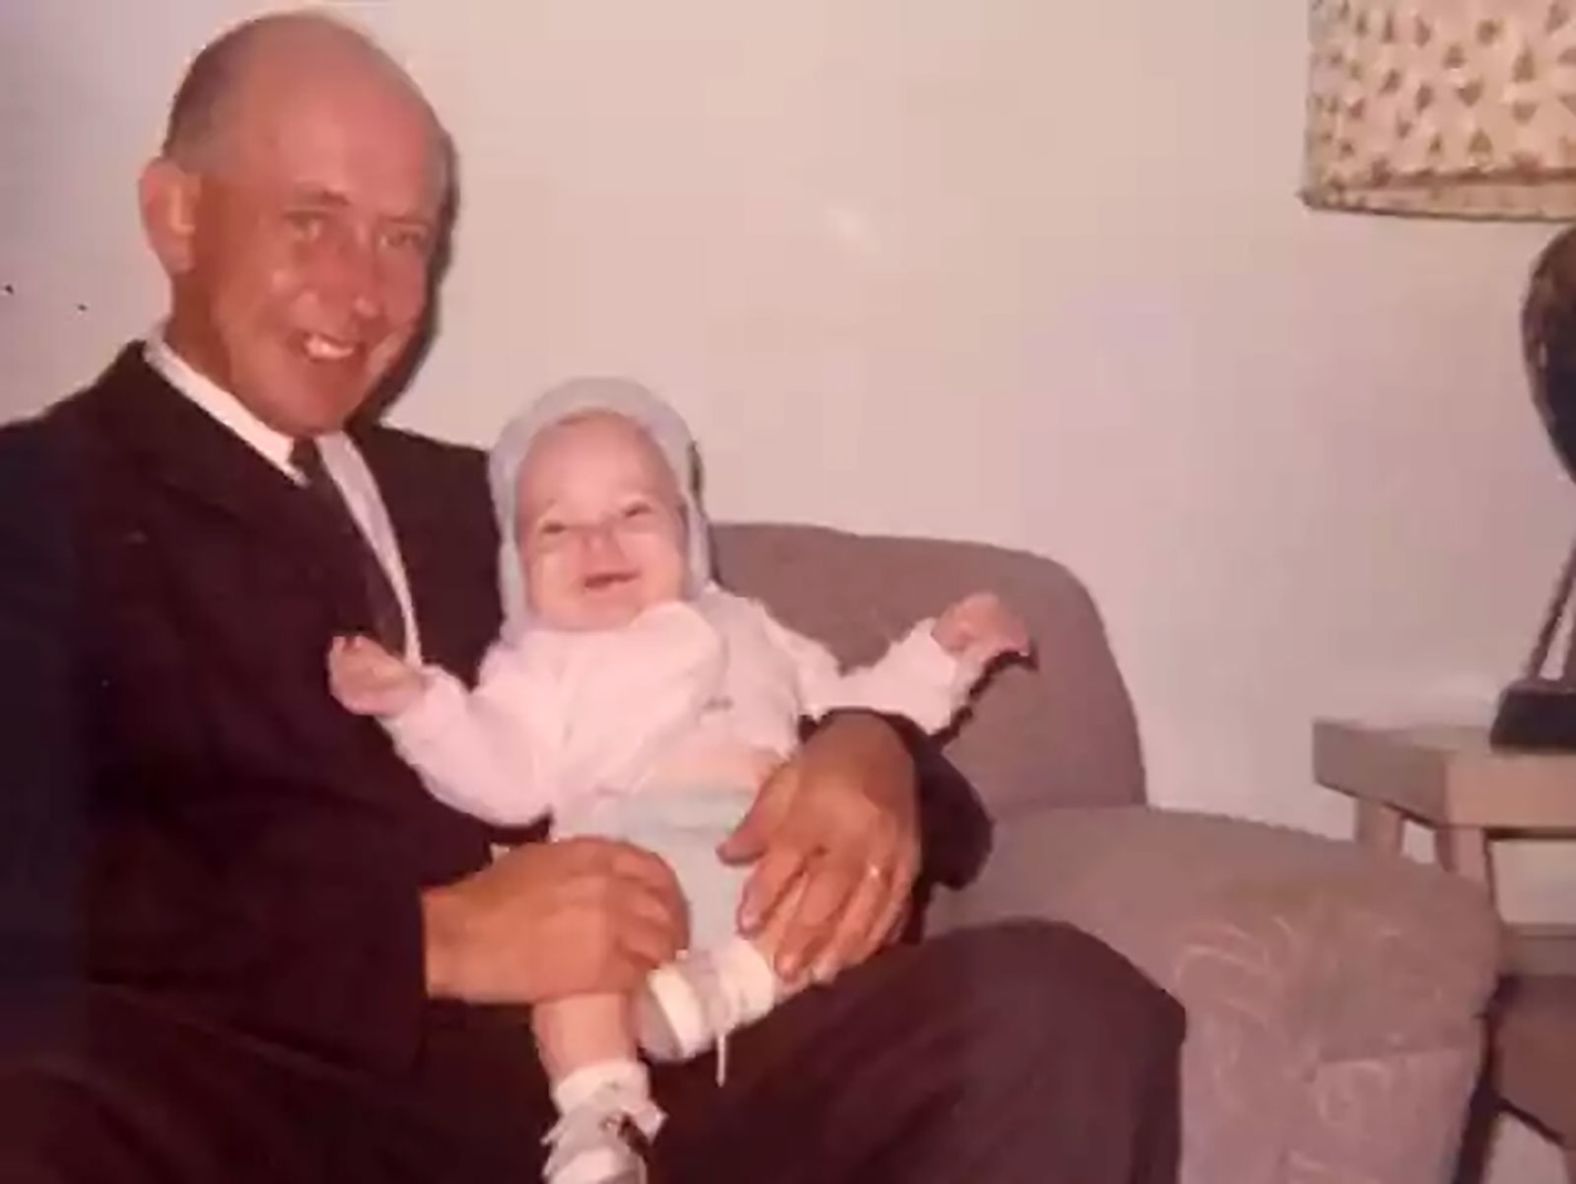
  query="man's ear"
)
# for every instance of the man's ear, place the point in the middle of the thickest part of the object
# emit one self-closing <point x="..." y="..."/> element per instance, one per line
<point x="168" y="195"/>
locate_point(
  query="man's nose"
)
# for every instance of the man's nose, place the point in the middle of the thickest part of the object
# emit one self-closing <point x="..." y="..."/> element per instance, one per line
<point x="357" y="276"/>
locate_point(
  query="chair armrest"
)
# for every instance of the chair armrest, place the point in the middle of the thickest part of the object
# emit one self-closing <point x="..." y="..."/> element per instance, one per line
<point x="1334" y="996"/>
<point x="1201" y="902"/>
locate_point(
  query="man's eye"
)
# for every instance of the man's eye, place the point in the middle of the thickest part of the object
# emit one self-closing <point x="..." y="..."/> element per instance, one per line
<point x="412" y="240"/>
<point x="307" y="224"/>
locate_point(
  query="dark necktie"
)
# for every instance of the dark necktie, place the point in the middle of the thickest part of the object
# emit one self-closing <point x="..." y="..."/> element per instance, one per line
<point x="383" y="610"/>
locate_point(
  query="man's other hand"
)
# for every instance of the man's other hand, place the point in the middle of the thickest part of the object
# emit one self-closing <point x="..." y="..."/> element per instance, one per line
<point x="547" y="920"/>
<point x="834" y="836"/>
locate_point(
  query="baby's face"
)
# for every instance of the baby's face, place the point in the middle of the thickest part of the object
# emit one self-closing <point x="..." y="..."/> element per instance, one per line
<point x="600" y="524"/>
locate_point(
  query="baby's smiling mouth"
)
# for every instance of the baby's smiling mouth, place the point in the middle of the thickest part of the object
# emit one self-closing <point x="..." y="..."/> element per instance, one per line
<point x="602" y="580"/>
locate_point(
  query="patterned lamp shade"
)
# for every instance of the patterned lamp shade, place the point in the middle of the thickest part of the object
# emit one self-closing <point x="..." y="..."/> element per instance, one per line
<point x="1456" y="108"/>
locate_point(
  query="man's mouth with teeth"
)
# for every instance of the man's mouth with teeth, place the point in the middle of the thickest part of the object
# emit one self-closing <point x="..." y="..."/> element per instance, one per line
<point x="326" y="349"/>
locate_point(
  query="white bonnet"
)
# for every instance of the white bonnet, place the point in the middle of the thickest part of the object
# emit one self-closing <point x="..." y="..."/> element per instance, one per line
<point x="579" y="396"/>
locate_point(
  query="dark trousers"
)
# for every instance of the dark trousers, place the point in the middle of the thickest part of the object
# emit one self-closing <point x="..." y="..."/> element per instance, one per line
<point x="1018" y="1052"/>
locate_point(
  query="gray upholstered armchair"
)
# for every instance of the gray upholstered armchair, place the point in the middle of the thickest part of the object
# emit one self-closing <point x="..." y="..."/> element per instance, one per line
<point x="1333" y="997"/>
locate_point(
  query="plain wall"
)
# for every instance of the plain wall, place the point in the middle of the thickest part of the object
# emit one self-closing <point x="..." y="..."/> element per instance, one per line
<point x="1013" y="270"/>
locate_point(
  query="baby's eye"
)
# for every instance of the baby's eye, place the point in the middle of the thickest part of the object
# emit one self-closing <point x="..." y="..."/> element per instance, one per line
<point x="636" y="511"/>
<point x="550" y="530"/>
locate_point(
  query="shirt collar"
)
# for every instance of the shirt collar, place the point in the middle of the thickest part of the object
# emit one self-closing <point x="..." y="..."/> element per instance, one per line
<point x="271" y="445"/>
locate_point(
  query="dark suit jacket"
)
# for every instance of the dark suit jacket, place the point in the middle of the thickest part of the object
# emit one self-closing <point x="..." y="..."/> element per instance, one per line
<point x="251" y="852"/>
<point x="254" y="849"/>
<point x="42" y="787"/>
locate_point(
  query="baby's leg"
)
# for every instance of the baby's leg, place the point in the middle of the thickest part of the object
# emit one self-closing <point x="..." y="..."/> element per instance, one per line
<point x="725" y="981"/>
<point x="693" y="1003"/>
<point x="579" y="1031"/>
<point x="601" y="1090"/>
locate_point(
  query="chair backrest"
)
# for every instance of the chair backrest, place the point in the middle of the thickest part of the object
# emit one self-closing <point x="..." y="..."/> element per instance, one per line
<point x="1061" y="733"/>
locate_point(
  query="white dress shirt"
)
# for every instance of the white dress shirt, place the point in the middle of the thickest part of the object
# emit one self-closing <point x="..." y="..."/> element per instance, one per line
<point x="341" y="458"/>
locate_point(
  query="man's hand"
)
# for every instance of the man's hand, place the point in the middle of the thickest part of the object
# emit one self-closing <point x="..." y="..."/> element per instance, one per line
<point x="834" y="834"/>
<point x="553" y="919"/>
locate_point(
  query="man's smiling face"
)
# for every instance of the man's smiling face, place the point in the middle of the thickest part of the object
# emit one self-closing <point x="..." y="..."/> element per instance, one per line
<point x="304" y="239"/>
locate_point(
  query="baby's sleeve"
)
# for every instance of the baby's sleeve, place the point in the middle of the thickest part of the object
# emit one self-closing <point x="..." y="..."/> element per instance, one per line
<point x="915" y="678"/>
<point x="492" y="751"/>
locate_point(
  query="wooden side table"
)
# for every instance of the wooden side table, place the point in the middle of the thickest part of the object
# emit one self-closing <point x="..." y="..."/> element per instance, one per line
<point x="1451" y="780"/>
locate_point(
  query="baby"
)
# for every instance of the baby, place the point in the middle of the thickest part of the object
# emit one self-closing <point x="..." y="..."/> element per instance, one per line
<point x="631" y="697"/>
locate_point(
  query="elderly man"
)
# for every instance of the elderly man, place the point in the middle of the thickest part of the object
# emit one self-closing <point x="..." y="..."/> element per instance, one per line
<point x="286" y="940"/>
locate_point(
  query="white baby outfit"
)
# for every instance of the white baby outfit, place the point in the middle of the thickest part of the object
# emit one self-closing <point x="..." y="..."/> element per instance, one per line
<point x="606" y="732"/>
<point x="658" y="732"/>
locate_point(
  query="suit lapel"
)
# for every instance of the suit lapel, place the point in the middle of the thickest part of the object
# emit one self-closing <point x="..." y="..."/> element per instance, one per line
<point x="180" y="446"/>
<point x="184" y="447"/>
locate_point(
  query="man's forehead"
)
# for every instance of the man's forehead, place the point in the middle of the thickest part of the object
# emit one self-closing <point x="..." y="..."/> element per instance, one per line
<point x="337" y="135"/>
<point x="295" y="91"/>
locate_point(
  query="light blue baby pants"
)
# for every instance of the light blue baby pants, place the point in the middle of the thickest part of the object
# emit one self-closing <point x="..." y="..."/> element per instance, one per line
<point x="685" y="829"/>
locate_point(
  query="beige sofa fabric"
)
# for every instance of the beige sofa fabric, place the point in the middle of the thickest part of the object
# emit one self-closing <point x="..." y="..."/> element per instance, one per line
<point x="1332" y="996"/>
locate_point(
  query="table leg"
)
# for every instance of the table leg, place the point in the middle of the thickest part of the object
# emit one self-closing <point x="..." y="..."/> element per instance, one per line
<point x="1464" y="851"/>
<point x="1379" y="826"/>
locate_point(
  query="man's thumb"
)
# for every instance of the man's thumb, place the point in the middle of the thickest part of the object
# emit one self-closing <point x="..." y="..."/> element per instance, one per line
<point x="750" y="838"/>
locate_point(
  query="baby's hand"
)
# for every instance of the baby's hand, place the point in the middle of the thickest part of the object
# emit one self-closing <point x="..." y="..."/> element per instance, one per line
<point x="981" y="628"/>
<point x="368" y="680"/>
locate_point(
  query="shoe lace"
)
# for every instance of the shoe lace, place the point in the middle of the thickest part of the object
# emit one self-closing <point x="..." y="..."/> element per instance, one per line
<point x="618" y="1112"/>
<point x="729" y="1002"/>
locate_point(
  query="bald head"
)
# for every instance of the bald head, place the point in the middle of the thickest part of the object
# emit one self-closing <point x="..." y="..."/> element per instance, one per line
<point x="296" y="208"/>
<point x="252" y="63"/>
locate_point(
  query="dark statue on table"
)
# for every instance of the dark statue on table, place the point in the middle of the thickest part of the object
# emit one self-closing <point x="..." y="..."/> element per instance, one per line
<point x="1538" y="710"/>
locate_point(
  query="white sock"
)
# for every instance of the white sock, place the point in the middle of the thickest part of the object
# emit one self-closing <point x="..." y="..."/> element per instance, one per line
<point x="586" y="1081"/>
